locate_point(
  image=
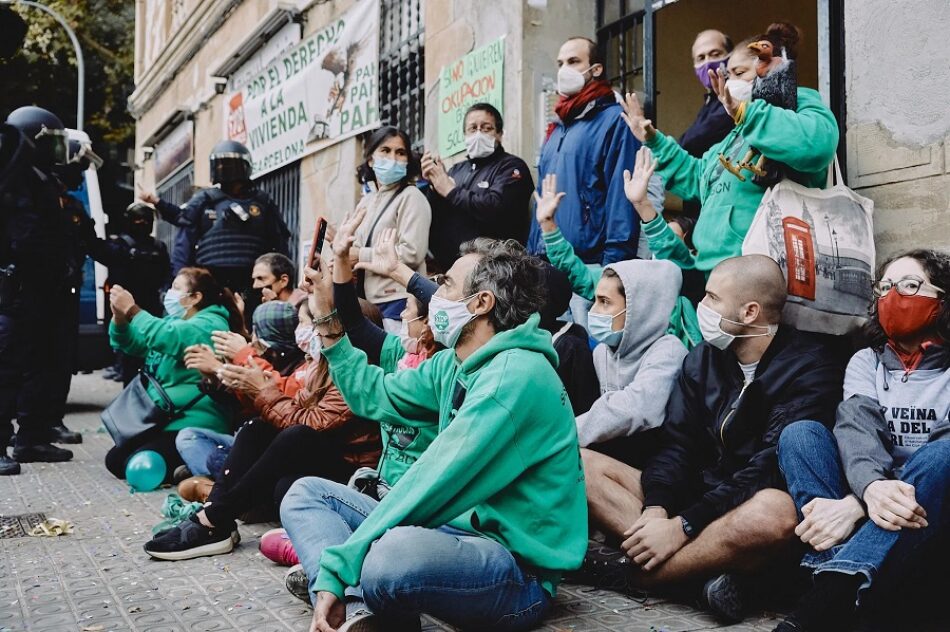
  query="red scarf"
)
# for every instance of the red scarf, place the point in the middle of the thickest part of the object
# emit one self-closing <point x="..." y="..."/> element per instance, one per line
<point x="912" y="360"/>
<point x="568" y="108"/>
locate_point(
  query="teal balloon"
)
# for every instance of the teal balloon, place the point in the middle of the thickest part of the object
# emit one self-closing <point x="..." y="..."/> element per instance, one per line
<point x="145" y="471"/>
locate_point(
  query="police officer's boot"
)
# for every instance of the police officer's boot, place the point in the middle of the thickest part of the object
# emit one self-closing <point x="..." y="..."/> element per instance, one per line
<point x="40" y="453"/>
<point x="8" y="467"/>
<point x="61" y="434"/>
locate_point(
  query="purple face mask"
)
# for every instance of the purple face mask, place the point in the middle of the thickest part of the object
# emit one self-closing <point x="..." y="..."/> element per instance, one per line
<point x="702" y="72"/>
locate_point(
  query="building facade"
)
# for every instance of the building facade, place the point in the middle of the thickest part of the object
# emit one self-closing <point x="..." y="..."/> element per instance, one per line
<point x="202" y="69"/>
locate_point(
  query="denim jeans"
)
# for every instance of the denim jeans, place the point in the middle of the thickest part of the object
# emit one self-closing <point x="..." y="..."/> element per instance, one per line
<point x="195" y="445"/>
<point x="464" y="579"/>
<point x="809" y="460"/>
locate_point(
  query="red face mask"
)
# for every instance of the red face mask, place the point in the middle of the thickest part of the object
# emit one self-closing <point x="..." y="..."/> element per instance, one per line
<point x="902" y="316"/>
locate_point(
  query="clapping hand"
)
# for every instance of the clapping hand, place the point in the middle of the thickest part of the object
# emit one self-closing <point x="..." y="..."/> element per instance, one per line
<point x="641" y="127"/>
<point x="321" y="284"/>
<point x="635" y="184"/>
<point x="546" y="204"/>
<point x="202" y="359"/>
<point x="718" y="81"/>
<point x="121" y="301"/>
<point x="227" y="343"/>
<point x="250" y="378"/>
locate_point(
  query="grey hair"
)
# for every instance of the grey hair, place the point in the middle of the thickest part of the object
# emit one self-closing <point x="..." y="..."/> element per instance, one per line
<point x="514" y="277"/>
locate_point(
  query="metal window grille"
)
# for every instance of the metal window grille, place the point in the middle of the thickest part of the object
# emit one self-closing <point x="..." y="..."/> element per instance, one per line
<point x="176" y="189"/>
<point x="283" y="185"/>
<point x="402" y="67"/>
<point x="620" y="34"/>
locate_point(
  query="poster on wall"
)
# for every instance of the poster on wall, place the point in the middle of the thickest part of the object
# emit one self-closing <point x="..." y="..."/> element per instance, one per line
<point x="316" y="94"/>
<point x="477" y="77"/>
<point x="174" y="150"/>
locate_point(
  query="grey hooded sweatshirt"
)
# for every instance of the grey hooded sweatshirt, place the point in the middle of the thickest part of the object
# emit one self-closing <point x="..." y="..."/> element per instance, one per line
<point x="637" y="377"/>
<point x="888" y="412"/>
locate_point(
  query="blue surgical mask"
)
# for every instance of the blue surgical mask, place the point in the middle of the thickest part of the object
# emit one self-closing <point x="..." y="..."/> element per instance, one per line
<point x="388" y="171"/>
<point x="600" y="327"/>
<point x="172" y="303"/>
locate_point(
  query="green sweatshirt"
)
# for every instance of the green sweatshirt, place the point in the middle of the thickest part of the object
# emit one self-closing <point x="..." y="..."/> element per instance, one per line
<point x="403" y="443"/>
<point x="804" y="140"/>
<point x="162" y="342"/>
<point x="584" y="279"/>
<point x="505" y="465"/>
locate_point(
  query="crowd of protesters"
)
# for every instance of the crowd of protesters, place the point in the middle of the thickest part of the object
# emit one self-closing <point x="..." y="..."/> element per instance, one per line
<point x="589" y="390"/>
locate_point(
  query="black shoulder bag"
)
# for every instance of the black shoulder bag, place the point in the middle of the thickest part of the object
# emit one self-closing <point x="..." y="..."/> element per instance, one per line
<point x="133" y="413"/>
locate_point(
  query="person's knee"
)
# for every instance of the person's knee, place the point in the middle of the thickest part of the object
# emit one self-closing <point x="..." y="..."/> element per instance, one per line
<point x="304" y="493"/>
<point x="768" y="517"/>
<point x="115" y="463"/>
<point x="799" y="438"/>
<point x="594" y="465"/>
<point x="185" y="438"/>
<point x="391" y="562"/>
<point x="930" y="459"/>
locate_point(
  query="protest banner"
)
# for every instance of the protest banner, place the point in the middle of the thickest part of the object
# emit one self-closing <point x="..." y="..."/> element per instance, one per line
<point x="478" y="77"/>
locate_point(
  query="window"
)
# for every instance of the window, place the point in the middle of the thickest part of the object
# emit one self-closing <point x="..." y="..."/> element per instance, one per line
<point x="402" y="67"/>
<point x="620" y="33"/>
<point x="283" y="186"/>
<point x="177" y="190"/>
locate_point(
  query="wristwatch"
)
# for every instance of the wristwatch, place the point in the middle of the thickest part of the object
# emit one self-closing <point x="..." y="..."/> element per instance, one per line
<point x="687" y="527"/>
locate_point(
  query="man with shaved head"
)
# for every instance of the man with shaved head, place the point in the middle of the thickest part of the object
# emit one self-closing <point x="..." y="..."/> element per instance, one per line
<point x="711" y="505"/>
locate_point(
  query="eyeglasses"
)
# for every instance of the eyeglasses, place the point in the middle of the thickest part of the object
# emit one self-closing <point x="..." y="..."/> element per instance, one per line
<point x="908" y="286"/>
<point x="438" y="278"/>
<point x="487" y="128"/>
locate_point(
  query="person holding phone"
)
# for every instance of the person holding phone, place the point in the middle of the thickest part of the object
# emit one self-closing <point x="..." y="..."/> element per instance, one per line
<point x="390" y="168"/>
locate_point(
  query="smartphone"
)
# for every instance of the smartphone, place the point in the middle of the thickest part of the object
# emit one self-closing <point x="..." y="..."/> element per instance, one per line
<point x="319" y="237"/>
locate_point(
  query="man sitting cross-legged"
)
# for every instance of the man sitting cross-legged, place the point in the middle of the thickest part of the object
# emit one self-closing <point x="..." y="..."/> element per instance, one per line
<point x="711" y="503"/>
<point x="480" y="529"/>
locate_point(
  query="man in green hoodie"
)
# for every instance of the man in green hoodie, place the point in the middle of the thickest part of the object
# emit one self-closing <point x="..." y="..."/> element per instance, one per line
<point x="481" y="528"/>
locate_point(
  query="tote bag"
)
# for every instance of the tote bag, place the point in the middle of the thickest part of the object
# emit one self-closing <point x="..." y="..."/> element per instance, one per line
<point x="133" y="413"/>
<point x="823" y="239"/>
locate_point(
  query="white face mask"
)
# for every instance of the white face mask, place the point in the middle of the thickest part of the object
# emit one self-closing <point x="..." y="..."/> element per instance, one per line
<point x="303" y="334"/>
<point x="315" y="347"/>
<point x="479" y="145"/>
<point x="570" y="81"/>
<point x="740" y="89"/>
<point x="410" y="344"/>
<point x="448" y="318"/>
<point x="710" y="324"/>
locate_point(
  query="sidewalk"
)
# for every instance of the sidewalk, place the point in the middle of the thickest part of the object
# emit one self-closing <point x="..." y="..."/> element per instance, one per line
<point x="99" y="579"/>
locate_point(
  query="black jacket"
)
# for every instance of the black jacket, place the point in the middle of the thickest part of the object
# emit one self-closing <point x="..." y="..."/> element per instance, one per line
<point x="720" y="437"/>
<point x="711" y="126"/>
<point x="491" y="198"/>
<point x="575" y="365"/>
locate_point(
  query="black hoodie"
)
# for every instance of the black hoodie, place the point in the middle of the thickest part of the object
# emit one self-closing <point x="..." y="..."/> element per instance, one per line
<point x="720" y="434"/>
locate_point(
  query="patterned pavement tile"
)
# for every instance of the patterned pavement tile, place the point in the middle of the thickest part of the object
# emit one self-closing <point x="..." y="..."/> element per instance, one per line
<point x="98" y="579"/>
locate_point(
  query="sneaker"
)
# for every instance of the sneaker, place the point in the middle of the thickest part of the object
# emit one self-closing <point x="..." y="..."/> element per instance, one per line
<point x="41" y="453"/>
<point x="8" y="467"/>
<point x="297" y="584"/>
<point x="181" y="473"/>
<point x="723" y="596"/>
<point x="606" y="567"/>
<point x="362" y="621"/>
<point x="195" y="489"/>
<point x="277" y="547"/>
<point x="61" y="434"/>
<point x="191" y="539"/>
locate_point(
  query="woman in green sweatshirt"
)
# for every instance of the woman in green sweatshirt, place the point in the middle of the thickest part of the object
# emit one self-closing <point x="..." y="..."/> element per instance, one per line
<point x="804" y="141"/>
<point x="485" y="523"/>
<point x="196" y="306"/>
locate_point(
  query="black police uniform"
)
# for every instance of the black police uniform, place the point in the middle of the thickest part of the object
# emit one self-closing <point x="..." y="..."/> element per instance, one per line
<point x="226" y="234"/>
<point x="35" y="231"/>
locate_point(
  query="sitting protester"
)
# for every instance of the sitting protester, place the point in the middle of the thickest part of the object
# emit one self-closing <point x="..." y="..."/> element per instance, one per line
<point x="480" y="529"/>
<point x="196" y="305"/>
<point x="888" y="459"/>
<point x="273" y="347"/>
<point x="273" y="277"/>
<point x="312" y="433"/>
<point x="711" y="503"/>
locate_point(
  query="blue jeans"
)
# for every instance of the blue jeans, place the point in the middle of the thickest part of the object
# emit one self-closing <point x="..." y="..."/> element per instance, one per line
<point x="809" y="460"/>
<point x="464" y="579"/>
<point x="195" y="445"/>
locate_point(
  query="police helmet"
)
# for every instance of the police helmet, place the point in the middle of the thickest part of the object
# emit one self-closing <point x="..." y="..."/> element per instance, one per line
<point x="230" y="162"/>
<point x="141" y="216"/>
<point x="45" y="131"/>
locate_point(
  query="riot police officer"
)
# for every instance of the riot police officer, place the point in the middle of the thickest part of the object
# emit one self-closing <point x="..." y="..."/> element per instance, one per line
<point x="225" y="228"/>
<point x="34" y="231"/>
<point x="139" y="263"/>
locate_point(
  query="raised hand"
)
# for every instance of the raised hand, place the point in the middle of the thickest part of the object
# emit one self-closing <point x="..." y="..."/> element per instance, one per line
<point x="345" y="236"/>
<point x="120" y="299"/>
<point x="385" y="258"/>
<point x="320" y="279"/>
<point x="250" y="378"/>
<point x="635" y="184"/>
<point x="718" y="80"/>
<point x="640" y="126"/>
<point x="547" y="203"/>
<point x="202" y="359"/>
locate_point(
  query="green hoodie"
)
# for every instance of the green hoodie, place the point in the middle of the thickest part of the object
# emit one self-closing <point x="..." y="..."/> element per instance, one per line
<point x="162" y="342"/>
<point x="804" y="140"/>
<point x="505" y="465"/>
<point x="403" y="443"/>
<point x="584" y="279"/>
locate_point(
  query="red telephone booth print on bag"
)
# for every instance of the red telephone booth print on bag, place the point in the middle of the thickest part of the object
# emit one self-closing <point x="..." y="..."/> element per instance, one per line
<point x="800" y="257"/>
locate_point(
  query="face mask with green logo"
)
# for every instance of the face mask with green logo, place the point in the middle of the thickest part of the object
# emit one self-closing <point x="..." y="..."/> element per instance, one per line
<point x="449" y="318"/>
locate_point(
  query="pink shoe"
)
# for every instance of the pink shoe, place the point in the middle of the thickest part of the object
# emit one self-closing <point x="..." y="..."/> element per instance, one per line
<point x="276" y="546"/>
